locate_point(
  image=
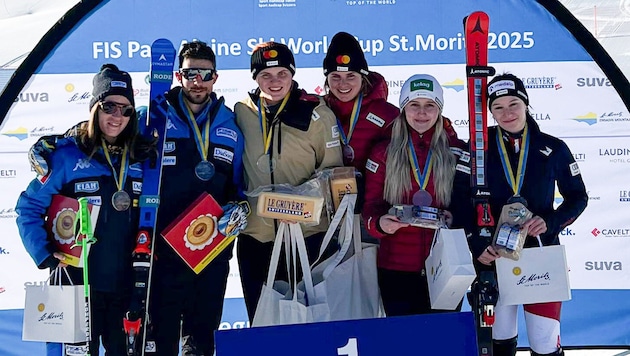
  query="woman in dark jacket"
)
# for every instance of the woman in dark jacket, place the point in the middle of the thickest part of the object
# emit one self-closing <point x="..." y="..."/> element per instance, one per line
<point x="544" y="161"/>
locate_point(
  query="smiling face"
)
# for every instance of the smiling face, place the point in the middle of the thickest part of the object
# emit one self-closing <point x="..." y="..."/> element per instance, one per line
<point x="345" y="86"/>
<point x="114" y="124"/>
<point x="196" y="90"/>
<point x="510" y="112"/>
<point x="274" y="83"/>
<point x="421" y="114"/>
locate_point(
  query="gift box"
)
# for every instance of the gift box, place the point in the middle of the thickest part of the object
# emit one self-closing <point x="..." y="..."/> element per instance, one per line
<point x="342" y="182"/>
<point x="194" y="234"/>
<point x="60" y="225"/>
<point x="293" y="207"/>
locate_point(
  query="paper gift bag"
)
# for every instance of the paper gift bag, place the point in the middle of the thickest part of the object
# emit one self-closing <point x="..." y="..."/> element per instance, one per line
<point x="282" y="303"/>
<point x="450" y="269"/>
<point x="347" y="281"/>
<point x="54" y="313"/>
<point x="540" y="275"/>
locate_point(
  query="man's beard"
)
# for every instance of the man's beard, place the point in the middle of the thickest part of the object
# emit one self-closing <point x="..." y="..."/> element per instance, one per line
<point x="196" y="99"/>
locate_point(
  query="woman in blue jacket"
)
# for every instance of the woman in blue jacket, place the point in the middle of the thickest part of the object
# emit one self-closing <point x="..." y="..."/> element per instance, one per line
<point x="525" y="164"/>
<point x="100" y="161"/>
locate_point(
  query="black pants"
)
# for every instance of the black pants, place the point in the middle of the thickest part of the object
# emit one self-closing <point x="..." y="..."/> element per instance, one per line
<point x="253" y="262"/>
<point x="179" y="297"/>
<point x="406" y="293"/>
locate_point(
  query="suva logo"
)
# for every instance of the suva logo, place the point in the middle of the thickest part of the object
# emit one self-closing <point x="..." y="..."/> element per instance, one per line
<point x="593" y="82"/>
<point x="603" y="266"/>
<point x="32" y="98"/>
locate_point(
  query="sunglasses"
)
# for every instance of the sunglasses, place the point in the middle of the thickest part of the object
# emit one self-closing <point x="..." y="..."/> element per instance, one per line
<point x="110" y="107"/>
<point x="192" y="73"/>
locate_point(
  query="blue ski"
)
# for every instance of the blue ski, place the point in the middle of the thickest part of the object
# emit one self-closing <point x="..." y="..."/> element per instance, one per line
<point x="137" y="321"/>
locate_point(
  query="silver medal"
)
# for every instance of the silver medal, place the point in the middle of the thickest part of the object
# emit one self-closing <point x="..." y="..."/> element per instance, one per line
<point x="204" y="170"/>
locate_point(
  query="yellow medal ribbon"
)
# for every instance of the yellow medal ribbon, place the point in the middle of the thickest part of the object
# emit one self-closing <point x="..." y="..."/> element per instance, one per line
<point x="266" y="132"/>
<point x="202" y="140"/>
<point x="422" y="178"/>
<point x="354" y="117"/>
<point x="515" y="182"/>
<point x="124" y="165"/>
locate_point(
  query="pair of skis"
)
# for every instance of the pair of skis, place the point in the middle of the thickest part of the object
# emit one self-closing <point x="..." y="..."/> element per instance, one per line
<point x="137" y="322"/>
<point x="484" y="292"/>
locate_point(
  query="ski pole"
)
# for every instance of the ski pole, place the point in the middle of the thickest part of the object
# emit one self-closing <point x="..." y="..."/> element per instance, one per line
<point x="84" y="238"/>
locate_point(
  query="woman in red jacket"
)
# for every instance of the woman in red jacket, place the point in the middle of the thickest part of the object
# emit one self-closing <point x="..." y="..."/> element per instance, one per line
<point x="358" y="97"/>
<point x="417" y="166"/>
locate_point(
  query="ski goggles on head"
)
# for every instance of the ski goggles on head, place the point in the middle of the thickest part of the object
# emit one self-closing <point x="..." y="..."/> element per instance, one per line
<point x="110" y="107"/>
<point x="192" y="73"/>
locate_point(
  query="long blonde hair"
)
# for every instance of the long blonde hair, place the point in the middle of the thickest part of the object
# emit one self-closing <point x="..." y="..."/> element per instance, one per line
<point x="398" y="176"/>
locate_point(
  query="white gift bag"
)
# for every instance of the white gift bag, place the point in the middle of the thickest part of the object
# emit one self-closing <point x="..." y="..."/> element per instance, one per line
<point x="54" y="313"/>
<point x="540" y="275"/>
<point x="450" y="270"/>
<point x="282" y="303"/>
<point x="348" y="281"/>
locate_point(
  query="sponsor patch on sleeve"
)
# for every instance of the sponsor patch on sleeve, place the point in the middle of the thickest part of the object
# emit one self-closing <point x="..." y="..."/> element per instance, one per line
<point x="223" y="155"/>
<point x="575" y="169"/>
<point x="315" y="116"/>
<point x="335" y="131"/>
<point x="331" y="144"/>
<point x="137" y="187"/>
<point x="375" y="120"/>
<point x="465" y="157"/>
<point x="371" y="166"/>
<point x="225" y="132"/>
<point x="462" y="168"/>
<point x="169" y="160"/>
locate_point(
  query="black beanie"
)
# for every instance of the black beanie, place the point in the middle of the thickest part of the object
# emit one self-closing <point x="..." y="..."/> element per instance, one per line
<point x="345" y="54"/>
<point x="111" y="81"/>
<point x="506" y="84"/>
<point x="269" y="55"/>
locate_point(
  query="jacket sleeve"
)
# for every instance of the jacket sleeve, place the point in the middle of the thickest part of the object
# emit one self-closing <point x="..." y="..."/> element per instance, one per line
<point x="375" y="205"/>
<point x="31" y="209"/>
<point x="327" y="148"/>
<point x="571" y="187"/>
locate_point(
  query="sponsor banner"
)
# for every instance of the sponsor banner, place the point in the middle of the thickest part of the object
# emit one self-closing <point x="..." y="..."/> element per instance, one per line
<point x="598" y="263"/>
<point x="399" y="39"/>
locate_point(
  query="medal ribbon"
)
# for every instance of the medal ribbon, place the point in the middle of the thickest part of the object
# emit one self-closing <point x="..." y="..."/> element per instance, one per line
<point x="354" y="117"/>
<point x="522" y="161"/>
<point x="421" y="178"/>
<point x="266" y="132"/>
<point x="121" y="177"/>
<point x="201" y="139"/>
